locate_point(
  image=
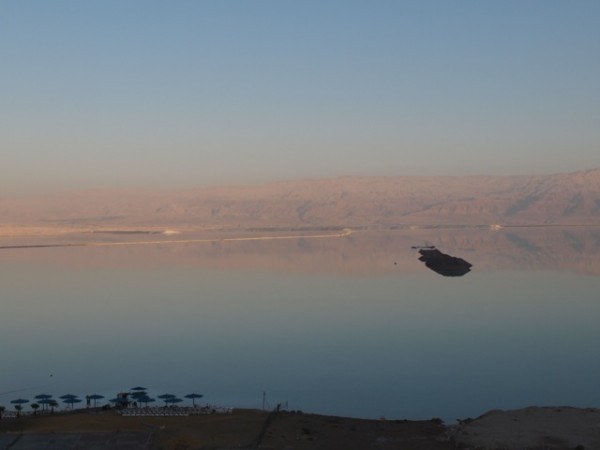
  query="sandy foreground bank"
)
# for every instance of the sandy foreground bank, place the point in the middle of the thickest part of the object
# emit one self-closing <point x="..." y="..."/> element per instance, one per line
<point x="242" y="429"/>
<point x="534" y="428"/>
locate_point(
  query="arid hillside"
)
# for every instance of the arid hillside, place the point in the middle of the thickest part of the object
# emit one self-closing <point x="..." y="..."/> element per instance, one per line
<point x="372" y="202"/>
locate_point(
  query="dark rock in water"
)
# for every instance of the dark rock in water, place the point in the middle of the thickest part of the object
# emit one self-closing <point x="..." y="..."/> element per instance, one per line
<point x="446" y="265"/>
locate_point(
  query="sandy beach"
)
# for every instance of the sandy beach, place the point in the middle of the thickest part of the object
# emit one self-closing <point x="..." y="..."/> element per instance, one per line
<point x="548" y="428"/>
<point x="241" y="429"/>
<point x="533" y="428"/>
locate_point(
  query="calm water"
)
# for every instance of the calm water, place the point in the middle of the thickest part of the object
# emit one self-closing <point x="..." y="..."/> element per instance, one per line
<point x="352" y="326"/>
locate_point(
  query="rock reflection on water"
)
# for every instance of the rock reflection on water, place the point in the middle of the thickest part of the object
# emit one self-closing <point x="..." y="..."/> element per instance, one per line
<point x="446" y="265"/>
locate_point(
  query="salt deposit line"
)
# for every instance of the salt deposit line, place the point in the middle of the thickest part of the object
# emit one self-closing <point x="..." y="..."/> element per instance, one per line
<point x="344" y="233"/>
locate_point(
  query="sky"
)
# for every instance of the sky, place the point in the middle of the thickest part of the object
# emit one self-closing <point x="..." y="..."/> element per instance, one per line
<point x="103" y="94"/>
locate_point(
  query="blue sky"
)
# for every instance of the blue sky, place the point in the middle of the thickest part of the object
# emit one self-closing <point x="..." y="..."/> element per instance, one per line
<point x="184" y="93"/>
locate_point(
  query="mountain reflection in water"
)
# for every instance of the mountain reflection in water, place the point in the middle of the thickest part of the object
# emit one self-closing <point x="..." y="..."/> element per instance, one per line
<point x="376" y="252"/>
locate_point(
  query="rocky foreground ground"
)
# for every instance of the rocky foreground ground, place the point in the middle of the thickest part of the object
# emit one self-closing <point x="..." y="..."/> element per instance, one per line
<point x="529" y="428"/>
<point x="532" y="428"/>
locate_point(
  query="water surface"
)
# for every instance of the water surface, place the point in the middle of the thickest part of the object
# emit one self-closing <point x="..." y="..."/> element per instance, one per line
<point x="353" y="326"/>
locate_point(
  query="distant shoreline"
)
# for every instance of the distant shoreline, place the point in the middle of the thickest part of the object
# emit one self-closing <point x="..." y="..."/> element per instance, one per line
<point x="344" y="233"/>
<point x="231" y="235"/>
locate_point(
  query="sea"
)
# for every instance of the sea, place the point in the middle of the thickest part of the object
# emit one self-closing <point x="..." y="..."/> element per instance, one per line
<point x="347" y="323"/>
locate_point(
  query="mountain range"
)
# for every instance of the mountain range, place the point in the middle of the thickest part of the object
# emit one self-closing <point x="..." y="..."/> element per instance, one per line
<point x="368" y="202"/>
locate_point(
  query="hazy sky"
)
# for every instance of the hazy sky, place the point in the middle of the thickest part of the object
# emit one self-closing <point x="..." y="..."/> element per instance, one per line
<point x="180" y="93"/>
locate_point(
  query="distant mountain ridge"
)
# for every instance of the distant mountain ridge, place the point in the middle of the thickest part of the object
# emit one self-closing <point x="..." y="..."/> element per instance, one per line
<point x="559" y="199"/>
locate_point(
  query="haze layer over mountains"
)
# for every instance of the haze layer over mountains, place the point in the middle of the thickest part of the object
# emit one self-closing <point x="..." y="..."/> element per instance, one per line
<point x="371" y="202"/>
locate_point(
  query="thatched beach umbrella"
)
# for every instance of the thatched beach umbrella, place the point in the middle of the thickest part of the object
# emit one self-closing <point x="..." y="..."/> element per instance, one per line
<point x="71" y="401"/>
<point x="173" y="400"/>
<point x="145" y="400"/>
<point x="19" y="404"/>
<point x="165" y="397"/>
<point x="138" y="388"/>
<point x="44" y="399"/>
<point x="194" y="396"/>
<point x="139" y="395"/>
<point x="47" y="402"/>
<point x="95" y="397"/>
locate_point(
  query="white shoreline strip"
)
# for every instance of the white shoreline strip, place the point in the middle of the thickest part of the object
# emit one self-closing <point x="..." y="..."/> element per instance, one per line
<point x="344" y="233"/>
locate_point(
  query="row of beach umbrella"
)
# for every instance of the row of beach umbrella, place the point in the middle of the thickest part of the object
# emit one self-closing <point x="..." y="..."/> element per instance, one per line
<point x="46" y="399"/>
<point x="140" y="395"/>
<point x="137" y="394"/>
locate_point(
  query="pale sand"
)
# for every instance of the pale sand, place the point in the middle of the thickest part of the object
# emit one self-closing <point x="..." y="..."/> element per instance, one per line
<point x="533" y="428"/>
